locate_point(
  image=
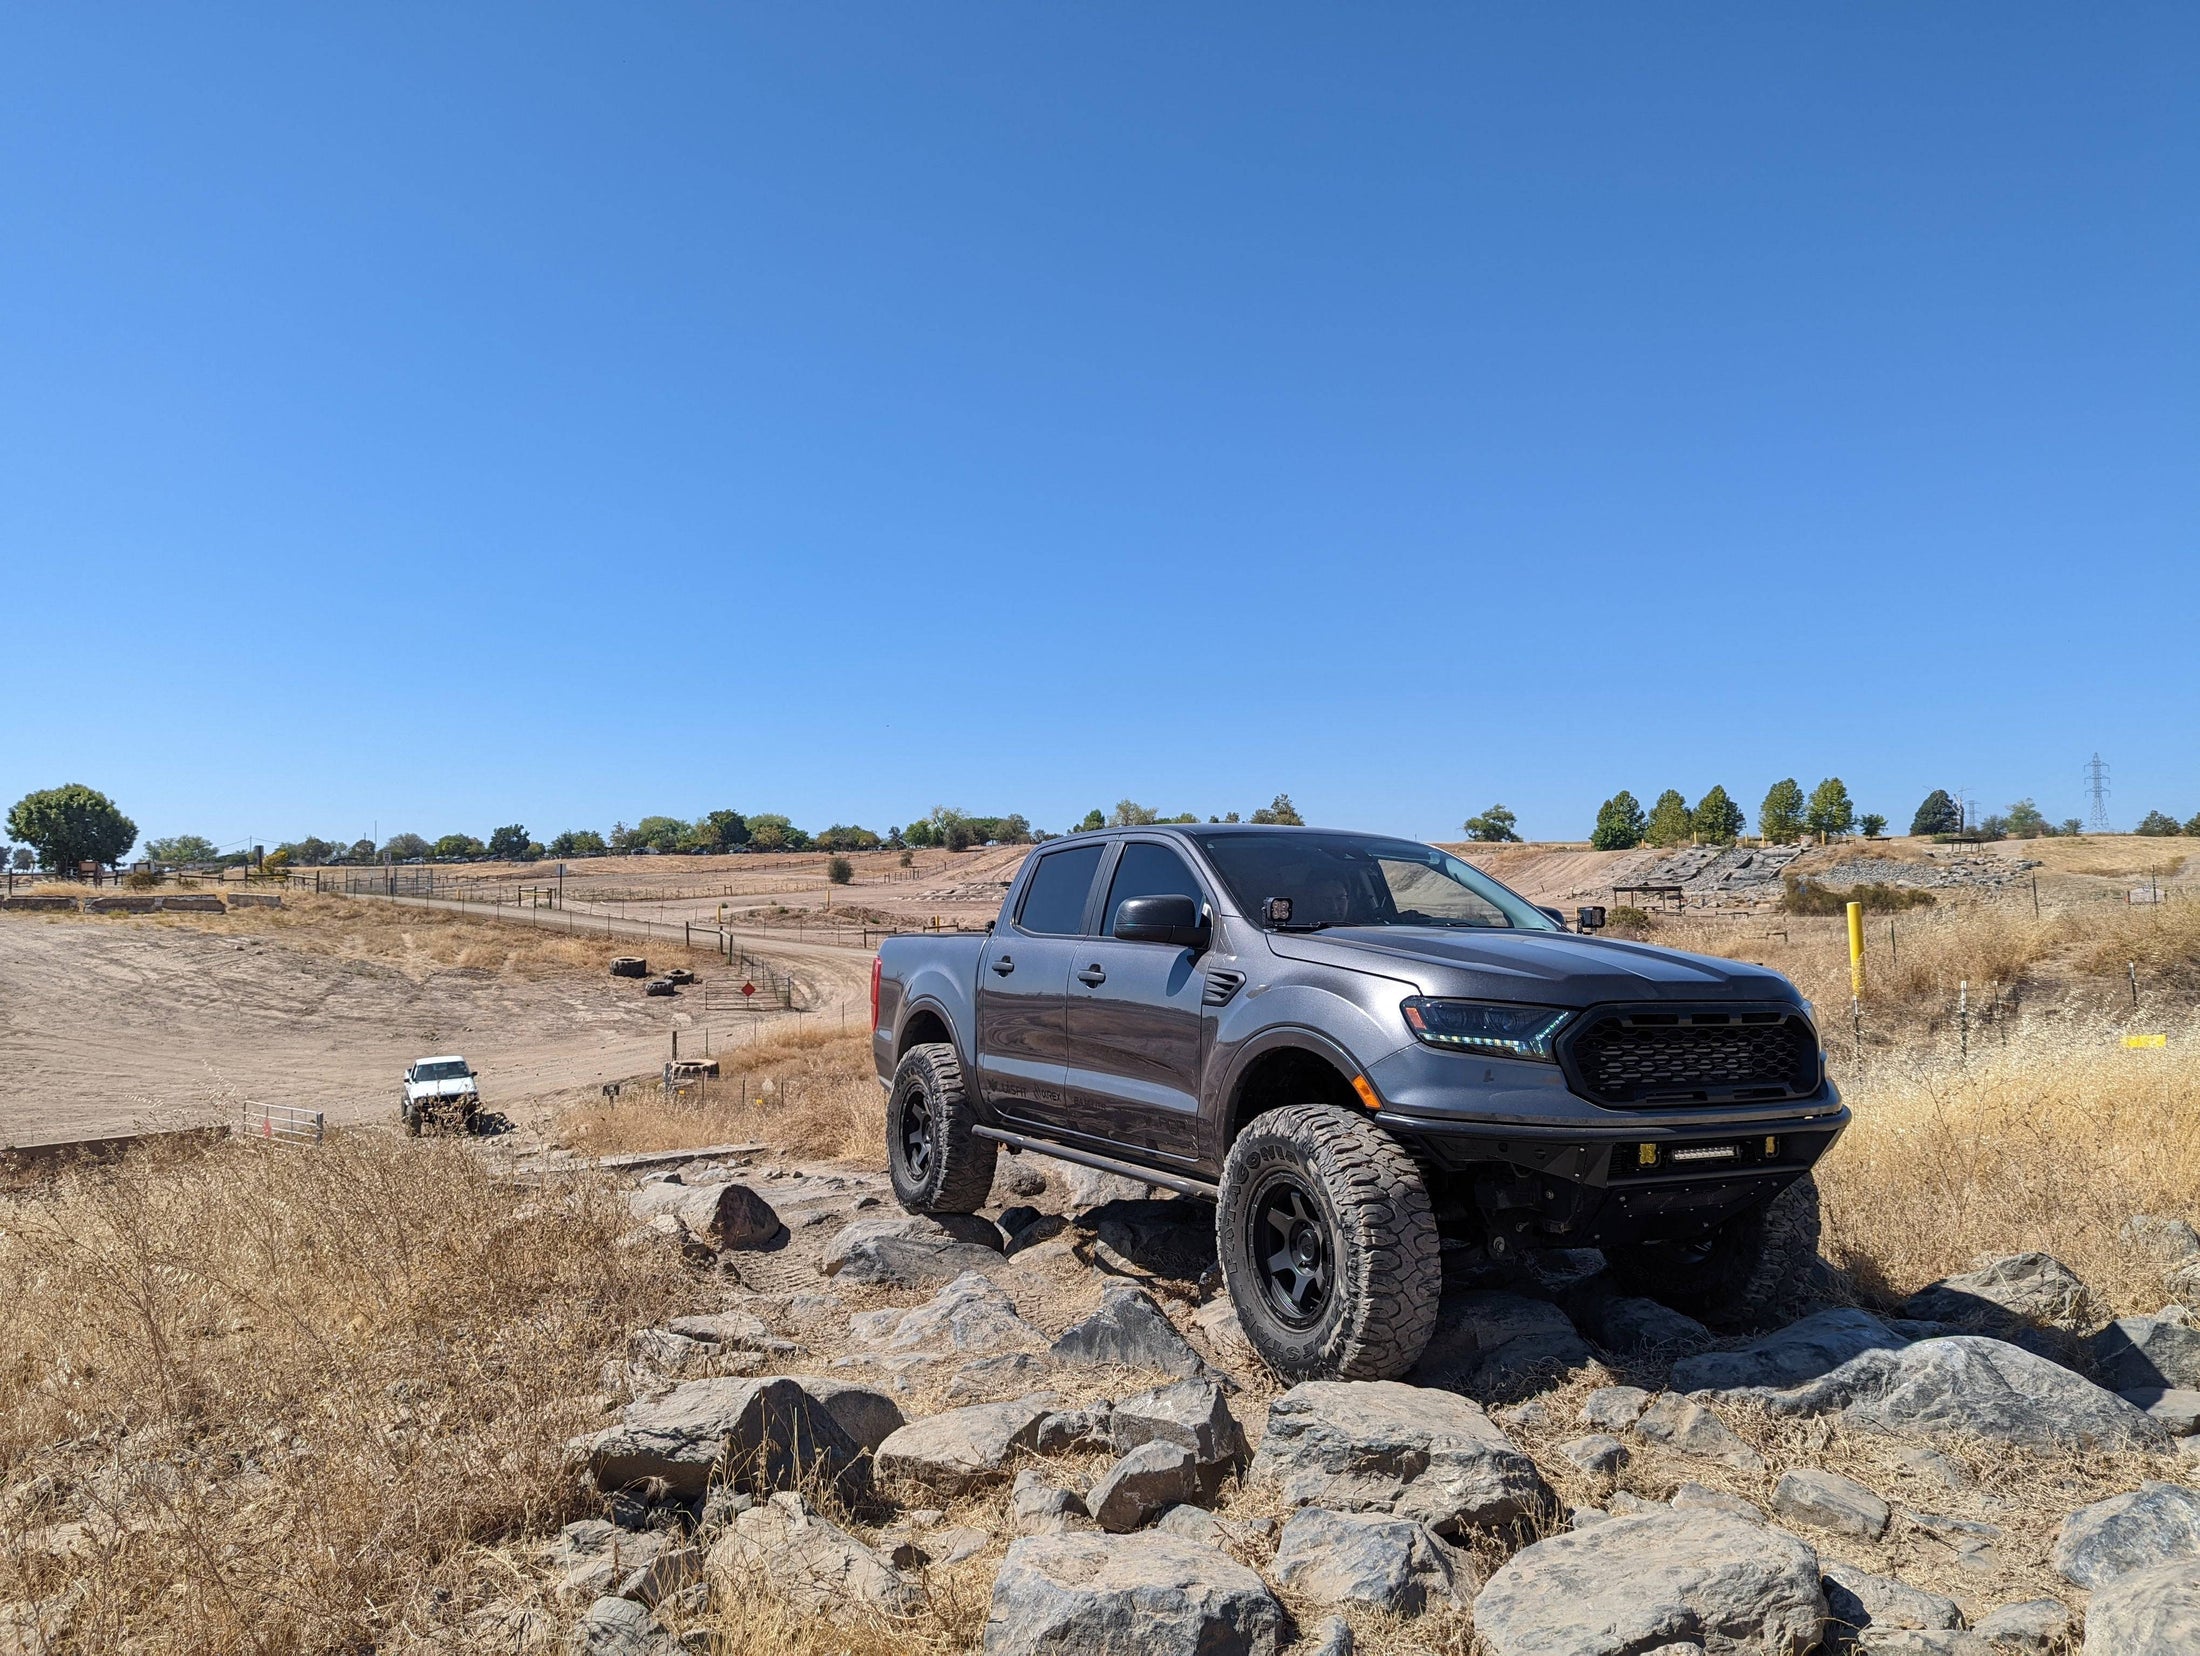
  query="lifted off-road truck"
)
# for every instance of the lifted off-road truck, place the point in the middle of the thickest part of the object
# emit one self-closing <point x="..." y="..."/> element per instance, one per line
<point x="439" y="1089"/>
<point x="1361" y="1048"/>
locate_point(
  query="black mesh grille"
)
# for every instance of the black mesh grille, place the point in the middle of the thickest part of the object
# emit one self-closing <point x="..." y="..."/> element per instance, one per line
<point x="1686" y="1057"/>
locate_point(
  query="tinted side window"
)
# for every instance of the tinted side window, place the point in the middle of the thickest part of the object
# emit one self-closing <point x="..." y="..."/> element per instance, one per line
<point x="1148" y="871"/>
<point x="1054" y="902"/>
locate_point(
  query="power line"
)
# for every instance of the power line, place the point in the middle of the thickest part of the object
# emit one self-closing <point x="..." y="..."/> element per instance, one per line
<point x="2096" y="787"/>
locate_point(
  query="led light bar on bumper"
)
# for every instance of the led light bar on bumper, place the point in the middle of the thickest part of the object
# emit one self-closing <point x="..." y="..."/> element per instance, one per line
<point x="1490" y="1029"/>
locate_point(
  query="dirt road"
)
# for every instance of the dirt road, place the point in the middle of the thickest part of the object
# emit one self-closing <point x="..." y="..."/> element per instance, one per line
<point x="108" y="1026"/>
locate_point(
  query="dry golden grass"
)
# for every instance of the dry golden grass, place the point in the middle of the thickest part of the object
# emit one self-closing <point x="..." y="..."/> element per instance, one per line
<point x="811" y="1090"/>
<point x="266" y="1401"/>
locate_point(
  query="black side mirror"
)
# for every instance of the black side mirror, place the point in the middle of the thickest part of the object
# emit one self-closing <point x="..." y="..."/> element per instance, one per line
<point x="1172" y="920"/>
<point x="1556" y="917"/>
<point x="1590" y="917"/>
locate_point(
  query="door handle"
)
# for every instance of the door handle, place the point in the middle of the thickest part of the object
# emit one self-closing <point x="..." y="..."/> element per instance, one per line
<point x="1004" y="965"/>
<point x="1092" y="975"/>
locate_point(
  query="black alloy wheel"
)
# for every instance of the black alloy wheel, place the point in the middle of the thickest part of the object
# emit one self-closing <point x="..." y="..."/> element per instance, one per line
<point x="916" y="1134"/>
<point x="1293" y="1240"/>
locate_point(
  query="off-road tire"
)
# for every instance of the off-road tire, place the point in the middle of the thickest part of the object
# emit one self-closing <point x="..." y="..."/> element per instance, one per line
<point x="1748" y="1271"/>
<point x="937" y="1164"/>
<point x="1357" y="1186"/>
<point x="411" y="1118"/>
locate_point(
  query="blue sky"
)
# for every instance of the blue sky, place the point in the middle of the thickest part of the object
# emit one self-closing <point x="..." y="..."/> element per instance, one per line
<point x="434" y="417"/>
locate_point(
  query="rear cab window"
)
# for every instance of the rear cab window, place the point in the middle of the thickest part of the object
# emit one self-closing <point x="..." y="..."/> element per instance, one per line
<point x="1054" y="900"/>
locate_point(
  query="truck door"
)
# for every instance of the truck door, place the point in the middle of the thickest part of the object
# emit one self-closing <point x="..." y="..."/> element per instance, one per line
<point x="1136" y="1029"/>
<point x="1023" y="977"/>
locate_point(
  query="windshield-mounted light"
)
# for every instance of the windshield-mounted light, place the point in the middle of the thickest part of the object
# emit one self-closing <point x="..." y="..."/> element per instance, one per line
<point x="1493" y="1029"/>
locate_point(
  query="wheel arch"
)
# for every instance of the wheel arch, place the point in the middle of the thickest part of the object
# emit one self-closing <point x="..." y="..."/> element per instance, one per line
<point x="1287" y="1065"/>
<point x="924" y="1022"/>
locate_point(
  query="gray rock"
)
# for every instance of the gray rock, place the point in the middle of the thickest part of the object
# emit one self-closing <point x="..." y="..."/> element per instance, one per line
<point x="1332" y="1638"/>
<point x="1391" y="1564"/>
<point x="1691" y="1429"/>
<point x="1128" y="1331"/>
<point x="726" y="1215"/>
<point x="2034" y="1287"/>
<point x="954" y="1544"/>
<point x="1630" y="1584"/>
<point x="1828" y="1501"/>
<point x="990" y="1379"/>
<point x="903" y="1262"/>
<point x="1597" y="1454"/>
<point x="1192" y="1413"/>
<point x="768" y="1434"/>
<point x="1153" y="1593"/>
<point x="813" y="1563"/>
<point x="1695" y="1497"/>
<point x="2152" y="1612"/>
<point x="1043" y="1227"/>
<point x="621" y="1627"/>
<point x="1037" y="1507"/>
<point x="1921" y="1641"/>
<point x="1382" y="1446"/>
<point x="1490" y="1341"/>
<point x="2133" y="1353"/>
<point x="1198" y="1524"/>
<point x="1633" y="1326"/>
<point x="1967" y="1386"/>
<point x="2111" y="1538"/>
<point x="971" y="1314"/>
<point x="1143" y="1484"/>
<point x="964" y="1449"/>
<point x="1018" y="1176"/>
<point x="1802" y="1351"/>
<point x="594" y="1558"/>
<point x="1857" y="1599"/>
<point x="736" y="1330"/>
<point x="1069" y="1429"/>
<point x="1173" y="1238"/>
<point x="2175" y="1409"/>
<point x="1625" y="1503"/>
<point x="948" y="1229"/>
<point x="1614" y="1408"/>
<point x="2037" y="1627"/>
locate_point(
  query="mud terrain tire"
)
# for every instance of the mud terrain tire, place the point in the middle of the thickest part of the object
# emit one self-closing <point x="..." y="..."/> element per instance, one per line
<point x="938" y="1165"/>
<point x="1328" y="1246"/>
<point x="1745" y="1272"/>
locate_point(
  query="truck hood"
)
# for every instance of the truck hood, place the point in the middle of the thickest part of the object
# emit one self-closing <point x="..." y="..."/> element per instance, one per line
<point x="439" y="1089"/>
<point x="1546" y="968"/>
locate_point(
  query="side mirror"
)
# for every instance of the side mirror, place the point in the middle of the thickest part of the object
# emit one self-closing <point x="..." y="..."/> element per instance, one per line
<point x="1172" y="920"/>
<point x="1556" y="917"/>
<point x="1591" y="917"/>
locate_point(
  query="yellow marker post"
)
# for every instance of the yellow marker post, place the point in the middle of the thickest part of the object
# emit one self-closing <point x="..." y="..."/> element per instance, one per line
<point x="1856" y="951"/>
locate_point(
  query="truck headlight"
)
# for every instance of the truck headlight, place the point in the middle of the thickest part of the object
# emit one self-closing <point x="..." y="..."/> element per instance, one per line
<point x="1494" y="1029"/>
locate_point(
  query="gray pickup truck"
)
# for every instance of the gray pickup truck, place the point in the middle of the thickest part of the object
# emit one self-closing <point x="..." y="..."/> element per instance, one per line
<point x="1361" y="1049"/>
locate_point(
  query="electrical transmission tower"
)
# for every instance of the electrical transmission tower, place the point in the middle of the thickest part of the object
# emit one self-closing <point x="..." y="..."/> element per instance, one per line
<point x="2096" y="787"/>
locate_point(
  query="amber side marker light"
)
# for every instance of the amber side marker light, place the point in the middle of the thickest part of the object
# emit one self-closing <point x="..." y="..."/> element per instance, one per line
<point x="1366" y="1090"/>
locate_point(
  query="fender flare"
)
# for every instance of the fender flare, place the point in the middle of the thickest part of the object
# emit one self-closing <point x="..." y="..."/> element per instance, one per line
<point x="1302" y="1037"/>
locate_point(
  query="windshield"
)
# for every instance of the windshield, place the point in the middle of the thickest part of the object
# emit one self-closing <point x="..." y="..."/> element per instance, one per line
<point x="448" y="1069"/>
<point x="1356" y="880"/>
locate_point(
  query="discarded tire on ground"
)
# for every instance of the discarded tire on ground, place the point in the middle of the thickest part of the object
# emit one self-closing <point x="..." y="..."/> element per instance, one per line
<point x="629" y="966"/>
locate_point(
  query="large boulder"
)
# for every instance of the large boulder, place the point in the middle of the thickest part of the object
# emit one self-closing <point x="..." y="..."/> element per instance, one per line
<point x="766" y="1434"/>
<point x="612" y="1627"/>
<point x="1630" y="1585"/>
<point x="1391" y="1564"/>
<point x="971" y="1315"/>
<point x="1491" y="1342"/>
<point x="1191" y="1413"/>
<point x="964" y="1449"/>
<point x="1152" y="1593"/>
<point x="1128" y="1331"/>
<point x="912" y="1250"/>
<point x="1144" y="1484"/>
<point x="2176" y="1409"/>
<point x="1037" y="1507"/>
<point x="1966" y="1387"/>
<point x="1691" y="1429"/>
<point x="1633" y="1326"/>
<point x="1801" y="1351"/>
<point x="1383" y="1446"/>
<point x="2027" y="1287"/>
<point x="1828" y="1501"/>
<point x="2036" y="1627"/>
<point x="1857" y="1599"/>
<point x="2111" y="1538"/>
<point x="2151" y="1612"/>
<point x="2132" y="1353"/>
<point x="810" y="1561"/>
<point x="727" y="1215"/>
<point x="1169" y="1239"/>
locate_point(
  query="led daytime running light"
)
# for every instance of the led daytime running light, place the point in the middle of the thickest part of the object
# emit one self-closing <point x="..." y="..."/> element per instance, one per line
<point x="1493" y="1029"/>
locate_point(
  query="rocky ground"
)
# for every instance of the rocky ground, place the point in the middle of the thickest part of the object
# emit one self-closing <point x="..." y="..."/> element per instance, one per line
<point x="1046" y="1411"/>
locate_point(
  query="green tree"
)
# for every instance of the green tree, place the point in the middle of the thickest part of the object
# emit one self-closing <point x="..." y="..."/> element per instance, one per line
<point x="2154" y="823"/>
<point x="839" y="870"/>
<point x="1130" y="814"/>
<point x="1494" y="826"/>
<point x="1619" y="823"/>
<point x="454" y="846"/>
<point x="1871" y="825"/>
<point x="1780" y="817"/>
<point x="1669" y="822"/>
<point x="954" y="828"/>
<point x="179" y="849"/>
<point x="71" y="825"/>
<point x="658" y="833"/>
<point x="509" y="843"/>
<point x="843" y="837"/>
<point x="1093" y="819"/>
<point x="22" y="857"/>
<point x="405" y="847"/>
<point x="1830" y="813"/>
<point x="719" y="831"/>
<point x="1938" y="814"/>
<point x="362" y="851"/>
<point x="2192" y="828"/>
<point x="1279" y="810"/>
<point x="772" y="832"/>
<point x="2073" y="827"/>
<point x="578" y="842"/>
<point x="1717" y="819"/>
<point x="2025" y="821"/>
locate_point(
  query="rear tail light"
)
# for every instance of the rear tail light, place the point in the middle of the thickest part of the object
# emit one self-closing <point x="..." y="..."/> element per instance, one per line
<point x="877" y="966"/>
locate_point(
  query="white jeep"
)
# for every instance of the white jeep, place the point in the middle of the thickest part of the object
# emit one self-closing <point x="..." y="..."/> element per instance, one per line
<point x="439" y="1087"/>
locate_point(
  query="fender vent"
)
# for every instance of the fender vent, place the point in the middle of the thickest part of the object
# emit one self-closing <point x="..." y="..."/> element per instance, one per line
<point x="1221" y="985"/>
